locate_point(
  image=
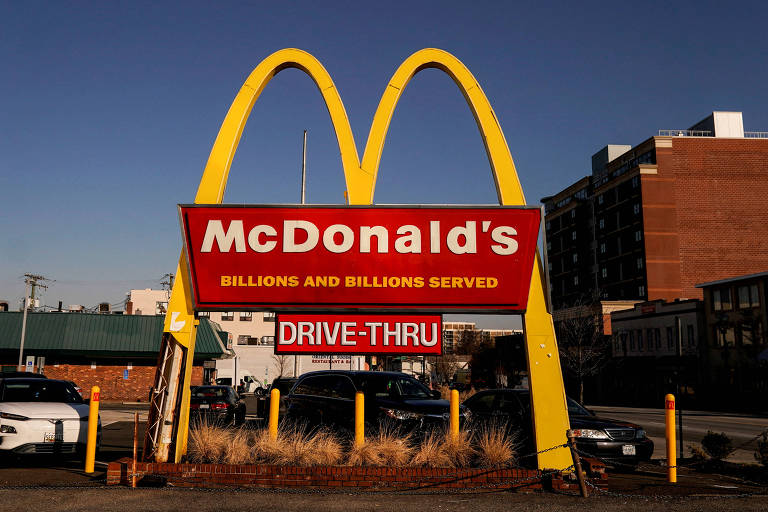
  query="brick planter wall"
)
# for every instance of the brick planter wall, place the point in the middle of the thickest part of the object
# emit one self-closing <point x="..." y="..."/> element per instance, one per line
<point x="371" y="478"/>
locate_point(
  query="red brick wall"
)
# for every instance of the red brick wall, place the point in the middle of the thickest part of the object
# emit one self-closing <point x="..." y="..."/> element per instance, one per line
<point x="721" y="192"/>
<point x="704" y="213"/>
<point x="110" y="379"/>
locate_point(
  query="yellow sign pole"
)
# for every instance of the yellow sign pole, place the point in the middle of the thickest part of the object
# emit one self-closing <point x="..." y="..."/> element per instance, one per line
<point x="93" y="430"/>
<point x="669" y="406"/>
<point x="454" y="410"/>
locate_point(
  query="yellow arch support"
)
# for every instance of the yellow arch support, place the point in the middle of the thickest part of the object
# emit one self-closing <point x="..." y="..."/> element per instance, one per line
<point x="545" y="376"/>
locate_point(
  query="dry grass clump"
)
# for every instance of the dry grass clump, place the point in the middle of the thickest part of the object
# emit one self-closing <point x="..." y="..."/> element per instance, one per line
<point x="237" y="449"/>
<point x="460" y="450"/>
<point x="207" y="442"/>
<point x="326" y="448"/>
<point x="495" y="448"/>
<point x="432" y="452"/>
<point x="367" y="454"/>
<point x="394" y="448"/>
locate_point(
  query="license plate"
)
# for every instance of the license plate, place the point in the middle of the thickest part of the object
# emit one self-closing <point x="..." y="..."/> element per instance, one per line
<point x="628" y="449"/>
<point x="204" y="406"/>
<point x="51" y="437"/>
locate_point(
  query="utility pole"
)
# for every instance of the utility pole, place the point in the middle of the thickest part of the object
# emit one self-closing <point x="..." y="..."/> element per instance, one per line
<point x="167" y="283"/>
<point x="31" y="281"/>
<point x="303" y="198"/>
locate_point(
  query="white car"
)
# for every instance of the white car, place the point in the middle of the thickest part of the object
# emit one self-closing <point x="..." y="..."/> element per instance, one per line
<point x="43" y="416"/>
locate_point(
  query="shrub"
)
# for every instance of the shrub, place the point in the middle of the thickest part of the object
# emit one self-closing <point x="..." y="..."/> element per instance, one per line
<point x="237" y="449"/>
<point x="495" y="447"/>
<point x="364" y="455"/>
<point x="761" y="454"/>
<point x="393" y="447"/>
<point x="717" y="446"/>
<point x="208" y="442"/>
<point x="697" y="454"/>
<point x="460" y="450"/>
<point x="431" y="452"/>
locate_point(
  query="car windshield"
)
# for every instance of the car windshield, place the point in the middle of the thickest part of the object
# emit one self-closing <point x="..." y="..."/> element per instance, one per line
<point x="574" y="409"/>
<point x="39" y="391"/>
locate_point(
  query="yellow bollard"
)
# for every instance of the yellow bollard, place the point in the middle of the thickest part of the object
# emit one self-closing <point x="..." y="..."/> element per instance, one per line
<point x="274" y="410"/>
<point x="93" y="427"/>
<point x="359" y="419"/>
<point x="669" y="406"/>
<point x="454" y="414"/>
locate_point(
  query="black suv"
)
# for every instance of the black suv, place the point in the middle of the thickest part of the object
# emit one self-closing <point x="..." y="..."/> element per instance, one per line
<point x="617" y="442"/>
<point x="328" y="398"/>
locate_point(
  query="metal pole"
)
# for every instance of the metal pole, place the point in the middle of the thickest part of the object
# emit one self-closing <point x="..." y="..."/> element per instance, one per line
<point x="669" y="406"/>
<point x="577" y="464"/>
<point x="135" y="447"/>
<point x="303" y="189"/>
<point x="23" y="326"/>
<point x="304" y="167"/>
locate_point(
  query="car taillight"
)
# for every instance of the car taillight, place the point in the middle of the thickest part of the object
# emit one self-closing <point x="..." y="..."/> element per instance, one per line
<point x="194" y="406"/>
<point x="218" y="406"/>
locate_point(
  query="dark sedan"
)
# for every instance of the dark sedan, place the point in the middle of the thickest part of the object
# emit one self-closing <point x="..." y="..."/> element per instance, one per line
<point x="395" y="399"/>
<point x="618" y="442"/>
<point x="216" y="404"/>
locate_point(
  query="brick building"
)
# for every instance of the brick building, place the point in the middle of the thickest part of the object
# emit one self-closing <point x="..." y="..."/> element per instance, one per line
<point x="653" y="220"/>
<point x="116" y="352"/>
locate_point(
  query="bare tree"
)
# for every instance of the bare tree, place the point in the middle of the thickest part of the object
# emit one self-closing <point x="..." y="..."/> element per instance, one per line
<point x="583" y="347"/>
<point x="281" y="362"/>
<point x="445" y="367"/>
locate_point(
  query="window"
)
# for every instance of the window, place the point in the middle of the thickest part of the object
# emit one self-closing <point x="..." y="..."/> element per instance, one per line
<point x="638" y="236"/>
<point x="269" y="316"/>
<point x="161" y="307"/>
<point x="227" y="316"/>
<point x="242" y="339"/>
<point x="657" y="334"/>
<point x="721" y="299"/>
<point x="576" y="280"/>
<point x="600" y="199"/>
<point x="631" y="340"/>
<point x="575" y="257"/>
<point x="605" y="272"/>
<point x="549" y="225"/>
<point x="573" y="214"/>
<point x="636" y="208"/>
<point x="641" y="291"/>
<point x="635" y="181"/>
<point x="602" y="248"/>
<point x="724" y="337"/>
<point x="691" y="340"/>
<point x="670" y="339"/>
<point x="267" y="340"/>
<point x="204" y="314"/>
<point x="649" y="338"/>
<point x="639" y="340"/>
<point x="549" y="266"/>
<point x="639" y="263"/>
<point x="246" y="316"/>
<point x="549" y="246"/>
<point x="754" y="297"/>
<point x="602" y="223"/>
<point x="573" y="235"/>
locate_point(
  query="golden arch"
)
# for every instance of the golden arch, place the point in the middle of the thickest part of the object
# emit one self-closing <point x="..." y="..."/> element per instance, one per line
<point x="545" y="375"/>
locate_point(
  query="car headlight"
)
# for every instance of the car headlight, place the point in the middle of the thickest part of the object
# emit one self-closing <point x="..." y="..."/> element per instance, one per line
<point x="7" y="429"/>
<point x="587" y="433"/>
<point x="640" y="434"/>
<point x="402" y="415"/>
<point x="9" y="416"/>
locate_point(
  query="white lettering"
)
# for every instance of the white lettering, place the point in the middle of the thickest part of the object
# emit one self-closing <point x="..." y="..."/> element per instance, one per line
<point x="410" y="241"/>
<point x="348" y="238"/>
<point x="282" y="339"/>
<point x="253" y="238"/>
<point x="215" y="231"/>
<point x="502" y="235"/>
<point x="424" y="340"/>
<point x="330" y="337"/>
<point x="469" y="232"/>
<point x="306" y="330"/>
<point x="373" y="327"/>
<point x="347" y="330"/>
<point x="382" y="238"/>
<point x="410" y="332"/>
<point x="289" y="236"/>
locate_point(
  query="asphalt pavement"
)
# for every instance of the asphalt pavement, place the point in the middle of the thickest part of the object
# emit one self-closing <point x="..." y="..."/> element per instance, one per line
<point x="743" y="429"/>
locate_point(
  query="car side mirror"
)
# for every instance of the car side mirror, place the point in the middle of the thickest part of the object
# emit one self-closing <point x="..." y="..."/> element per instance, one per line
<point x="435" y="393"/>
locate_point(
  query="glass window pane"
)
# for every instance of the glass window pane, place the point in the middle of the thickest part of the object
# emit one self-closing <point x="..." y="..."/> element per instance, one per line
<point x="744" y="297"/>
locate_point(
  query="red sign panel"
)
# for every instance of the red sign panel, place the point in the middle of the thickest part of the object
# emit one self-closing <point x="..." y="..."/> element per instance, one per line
<point x="428" y="259"/>
<point x="358" y="334"/>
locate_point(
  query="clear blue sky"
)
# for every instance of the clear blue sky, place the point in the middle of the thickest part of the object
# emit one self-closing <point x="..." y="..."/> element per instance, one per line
<point x="108" y="110"/>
